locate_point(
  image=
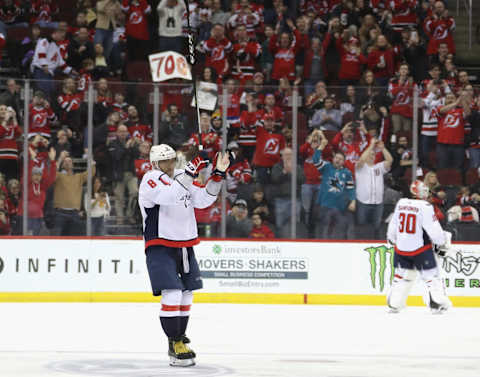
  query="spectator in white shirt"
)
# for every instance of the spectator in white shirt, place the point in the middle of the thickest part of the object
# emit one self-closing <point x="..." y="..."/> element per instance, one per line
<point x="99" y="207"/>
<point x="170" y="25"/>
<point x="369" y="186"/>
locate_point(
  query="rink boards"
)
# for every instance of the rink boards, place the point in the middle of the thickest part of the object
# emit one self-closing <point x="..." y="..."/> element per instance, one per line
<point x="234" y="271"/>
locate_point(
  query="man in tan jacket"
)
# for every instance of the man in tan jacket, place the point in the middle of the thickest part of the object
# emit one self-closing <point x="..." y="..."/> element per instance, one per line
<point x="107" y="12"/>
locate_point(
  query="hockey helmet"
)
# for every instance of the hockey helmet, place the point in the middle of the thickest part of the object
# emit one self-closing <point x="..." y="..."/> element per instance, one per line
<point x="162" y="152"/>
<point x="419" y="190"/>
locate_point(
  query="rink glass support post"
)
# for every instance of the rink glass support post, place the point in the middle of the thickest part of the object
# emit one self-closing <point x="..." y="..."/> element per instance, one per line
<point x="156" y="117"/>
<point x="293" y="218"/>
<point x="415" y="132"/>
<point x="89" y="159"/>
<point x="26" y="94"/>
<point x="223" y="223"/>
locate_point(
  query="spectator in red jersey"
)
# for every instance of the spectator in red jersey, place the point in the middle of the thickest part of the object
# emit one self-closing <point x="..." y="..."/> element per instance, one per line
<point x="247" y="139"/>
<point x="85" y="79"/>
<point x="439" y="27"/>
<point x="70" y="101"/>
<point x="352" y="60"/>
<point x="267" y="152"/>
<point x="80" y="48"/>
<point x="451" y="131"/>
<point x="381" y="61"/>
<point x="43" y="12"/>
<point x="239" y="174"/>
<point x="400" y="91"/>
<point x="136" y="128"/>
<point x="351" y="141"/>
<point x="41" y="116"/>
<point x="284" y="48"/>
<point x="247" y="16"/>
<point x="403" y="13"/>
<point x="9" y="133"/>
<point x="217" y="48"/>
<point x="142" y="162"/>
<point x="245" y="54"/>
<point x="259" y="228"/>
<point x="136" y="28"/>
<point x="41" y="179"/>
<point x="270" y="107"/>
<point x="211" y="141"/>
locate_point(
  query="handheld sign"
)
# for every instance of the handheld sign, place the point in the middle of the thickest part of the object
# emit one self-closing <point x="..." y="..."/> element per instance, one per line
<point x="169" y="65"/>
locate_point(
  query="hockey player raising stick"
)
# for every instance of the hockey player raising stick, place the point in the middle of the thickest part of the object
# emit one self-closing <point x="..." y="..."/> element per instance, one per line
<point x="167" y="198"/>
<point x="415" y="232"/>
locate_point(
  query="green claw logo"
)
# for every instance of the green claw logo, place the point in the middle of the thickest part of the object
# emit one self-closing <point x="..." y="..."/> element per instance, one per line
<point x="217" y="249"/>
<point x="382" y="252"/>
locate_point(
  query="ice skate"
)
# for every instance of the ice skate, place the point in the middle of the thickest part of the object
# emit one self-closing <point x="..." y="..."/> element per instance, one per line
<point x="180" y="354"/>
<point x="186" y="340"/>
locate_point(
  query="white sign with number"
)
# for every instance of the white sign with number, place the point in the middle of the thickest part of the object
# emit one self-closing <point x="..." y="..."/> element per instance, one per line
<point x="169" y="65"/>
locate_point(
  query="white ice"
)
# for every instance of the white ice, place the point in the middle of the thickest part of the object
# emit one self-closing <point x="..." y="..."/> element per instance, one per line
<point x="125" y="340"/>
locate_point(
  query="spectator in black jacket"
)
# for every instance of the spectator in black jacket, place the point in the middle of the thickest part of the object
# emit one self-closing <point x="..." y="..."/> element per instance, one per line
<point x="174" y="129"/>
<point x="11" y="97"/>
<point x="121" y="150"/>
<point x="238" y="223"/>
<point x="80" y="49"/>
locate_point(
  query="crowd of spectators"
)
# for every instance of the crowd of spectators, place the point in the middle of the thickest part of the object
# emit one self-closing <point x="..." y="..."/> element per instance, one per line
<point x="352" y="65"/>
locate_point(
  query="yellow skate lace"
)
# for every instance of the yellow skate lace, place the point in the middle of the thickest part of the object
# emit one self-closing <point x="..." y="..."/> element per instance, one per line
<point x="180" y="347"/>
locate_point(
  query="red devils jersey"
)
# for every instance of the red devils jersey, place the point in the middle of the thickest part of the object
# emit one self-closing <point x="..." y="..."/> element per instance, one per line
<point x="269" y="145"/>
<point x="284" y="58"/>
<point x="451" y="127"/>
<point x="40" y="119"/>
<point x="312" y="175"/>
<point x="141" y="167"/>
<point x="440" y="31"/>
<point x="63" y="47"/>
<point x="42" y="10"/>
<point x="276" y="112"/>
<point x="217" y="54"/>
<point x="239" y="172"/>
<point x="70" y="102"/>
<point x="353" y="150"/>
<point x="8" y="141"/>
<point x="248" y="124"/>
<point x="141" y="131"/>
<point x="136" y="25"/>
<point x="250" y="22"/>
<point x="84" y="82"/>
<point x="319" y="7"/>
<point x="402" y="98"/>
<point x="403" y="13"/>
<point x="252" y="51"/>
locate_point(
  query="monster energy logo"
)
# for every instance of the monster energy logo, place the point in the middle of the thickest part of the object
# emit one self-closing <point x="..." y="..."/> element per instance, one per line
<point x="382" y="252"/>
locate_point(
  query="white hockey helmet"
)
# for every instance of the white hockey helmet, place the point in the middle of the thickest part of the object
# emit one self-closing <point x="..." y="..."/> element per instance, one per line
<point x="419" y="190"/>
<point x="162" y="152"/>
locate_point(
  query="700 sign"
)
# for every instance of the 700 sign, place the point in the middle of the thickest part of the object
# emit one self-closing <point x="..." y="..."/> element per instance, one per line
<point x="169" y="65"/>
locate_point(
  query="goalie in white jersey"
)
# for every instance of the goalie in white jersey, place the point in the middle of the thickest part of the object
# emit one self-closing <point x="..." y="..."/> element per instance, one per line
<point x="415" y="232"/>
<point x="167" y="198"/>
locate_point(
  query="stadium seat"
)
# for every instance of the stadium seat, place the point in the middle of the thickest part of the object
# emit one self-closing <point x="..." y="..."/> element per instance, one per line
<point x="138" y="71"/>
<point x="449" y="177"/>
<point x="17" y="33"/>
<point x="472" y="176"/>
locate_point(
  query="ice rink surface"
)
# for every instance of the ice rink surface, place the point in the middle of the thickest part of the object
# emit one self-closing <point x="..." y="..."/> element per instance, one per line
<point x="125" y="340"/>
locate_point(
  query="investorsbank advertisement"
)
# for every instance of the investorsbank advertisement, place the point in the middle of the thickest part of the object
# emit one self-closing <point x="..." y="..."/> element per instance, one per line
<point x="253" y="266"/>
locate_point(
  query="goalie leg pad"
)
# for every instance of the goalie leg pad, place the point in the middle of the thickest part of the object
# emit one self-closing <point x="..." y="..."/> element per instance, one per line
<point x="403" y="282"/>
<point x="436" y="299"/>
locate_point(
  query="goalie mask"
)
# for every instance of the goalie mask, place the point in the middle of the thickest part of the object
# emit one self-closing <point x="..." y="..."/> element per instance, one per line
<point x="162" y="152"/>
<point x="419" y="190"/>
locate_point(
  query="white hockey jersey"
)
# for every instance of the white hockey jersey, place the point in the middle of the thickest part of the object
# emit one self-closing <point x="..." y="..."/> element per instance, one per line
<point x="48" y="54"/>
<point x="430" y="120"/>
<point x="167" y="207"/>
<point x="414" y="227"/>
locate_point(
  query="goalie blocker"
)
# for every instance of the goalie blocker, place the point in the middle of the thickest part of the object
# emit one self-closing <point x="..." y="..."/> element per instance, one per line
<point x="415" y="232"/>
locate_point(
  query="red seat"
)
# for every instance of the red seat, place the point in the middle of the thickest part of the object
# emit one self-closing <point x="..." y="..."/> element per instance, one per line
<point x="451" y="177"/>
<point x="472" y="176"/>
<point x="17" y="33"/>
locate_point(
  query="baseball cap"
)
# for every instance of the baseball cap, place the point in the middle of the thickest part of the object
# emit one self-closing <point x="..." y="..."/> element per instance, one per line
<point x="240" y="202"/>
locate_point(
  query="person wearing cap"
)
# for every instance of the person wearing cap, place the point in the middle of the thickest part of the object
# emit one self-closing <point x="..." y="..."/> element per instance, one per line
<point x="167" y="199"/>
<point x="42" y="177"/>
<point x="238" y="223"/>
